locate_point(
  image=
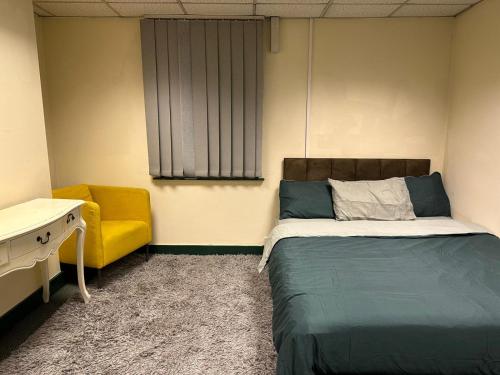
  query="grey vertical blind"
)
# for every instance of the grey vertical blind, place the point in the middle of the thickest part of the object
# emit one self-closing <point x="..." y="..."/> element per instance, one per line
<point x="203" y="97"/>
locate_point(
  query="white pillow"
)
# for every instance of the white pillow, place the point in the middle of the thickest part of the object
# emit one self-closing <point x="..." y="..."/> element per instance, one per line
<point x="372" y="200"/>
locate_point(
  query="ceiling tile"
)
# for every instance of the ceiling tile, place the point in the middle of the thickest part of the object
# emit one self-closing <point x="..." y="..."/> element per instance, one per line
<point x="219" y="9"/>
<point x="41" y="12"/>
<point x="78" y="9"/>
<point x="141" y="9"/>
<point x="360" y="10"/>
<point x="292" y="1"/>
<point x="443" y="2"/>
<point x="290" y="10"/>
<point x="429" y="10"/>
<point x="66" y="1"/>
<point x="220" y="1"/>
<point x="140" y="1"/>
<point x="368" y="1"/>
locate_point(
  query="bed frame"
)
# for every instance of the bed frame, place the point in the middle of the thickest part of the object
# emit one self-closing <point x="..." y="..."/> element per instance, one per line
<point x="313" y="169"/>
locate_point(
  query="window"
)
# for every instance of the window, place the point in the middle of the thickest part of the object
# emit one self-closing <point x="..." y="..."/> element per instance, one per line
<point x="203" y="97"/>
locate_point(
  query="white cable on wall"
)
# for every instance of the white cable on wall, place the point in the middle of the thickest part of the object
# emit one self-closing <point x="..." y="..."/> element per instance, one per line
<point x="309" y="84"/>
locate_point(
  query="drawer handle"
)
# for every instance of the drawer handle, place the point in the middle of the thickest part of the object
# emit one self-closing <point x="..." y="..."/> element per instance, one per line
<point x="70" y="217"/>
<point x="40" y="239"/>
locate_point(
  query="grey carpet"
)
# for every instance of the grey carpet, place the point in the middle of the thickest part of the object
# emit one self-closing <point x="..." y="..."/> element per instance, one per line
<point x="176" y="314"/>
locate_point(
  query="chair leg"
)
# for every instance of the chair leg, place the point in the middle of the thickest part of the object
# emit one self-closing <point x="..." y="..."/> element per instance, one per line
<point x="99" y="278"/>
<point x="147" y="252"/>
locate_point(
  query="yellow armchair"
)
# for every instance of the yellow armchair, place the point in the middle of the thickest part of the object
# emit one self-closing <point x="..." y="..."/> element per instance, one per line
<point x="118" y="223"/>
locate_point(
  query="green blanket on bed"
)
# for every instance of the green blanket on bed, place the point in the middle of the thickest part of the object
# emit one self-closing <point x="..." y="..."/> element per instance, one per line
<point x="361" y="305"/>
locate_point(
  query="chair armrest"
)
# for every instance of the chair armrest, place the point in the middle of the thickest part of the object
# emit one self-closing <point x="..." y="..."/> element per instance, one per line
<point x="122" y="203"/>
<point x="91" y="213"/>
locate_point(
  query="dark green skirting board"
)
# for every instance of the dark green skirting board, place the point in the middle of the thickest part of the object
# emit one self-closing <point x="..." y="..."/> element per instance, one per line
<point x="205" y="249"/>
<point x="25" y="307"/>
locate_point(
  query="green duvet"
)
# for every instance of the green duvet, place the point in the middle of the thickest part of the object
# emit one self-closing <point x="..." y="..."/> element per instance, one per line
<point x="364" y="305"/>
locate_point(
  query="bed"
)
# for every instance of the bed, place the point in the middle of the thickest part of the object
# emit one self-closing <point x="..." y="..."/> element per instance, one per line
<point x="415" y="297"/>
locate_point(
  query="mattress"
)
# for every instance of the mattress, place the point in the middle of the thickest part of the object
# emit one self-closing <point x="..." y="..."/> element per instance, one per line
<point x="416" y="303"/>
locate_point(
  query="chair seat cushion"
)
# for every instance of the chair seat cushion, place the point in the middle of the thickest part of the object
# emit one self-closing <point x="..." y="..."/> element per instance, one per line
<point x="121" y="237"/>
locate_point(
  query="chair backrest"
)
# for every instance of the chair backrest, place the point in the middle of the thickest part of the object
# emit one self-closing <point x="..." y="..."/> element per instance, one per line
<point x="73" y="192"/>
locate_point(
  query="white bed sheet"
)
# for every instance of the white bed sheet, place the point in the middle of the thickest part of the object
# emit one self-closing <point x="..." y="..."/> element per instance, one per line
<point x="362" y="228"/>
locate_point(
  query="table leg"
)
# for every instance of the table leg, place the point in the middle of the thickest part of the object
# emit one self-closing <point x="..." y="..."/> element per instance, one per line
<point x="80" y="239"/>
<point x="44" y="268"/>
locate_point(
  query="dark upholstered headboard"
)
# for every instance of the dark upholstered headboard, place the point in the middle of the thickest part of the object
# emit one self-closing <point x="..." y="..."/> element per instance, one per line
<point x="310" y="169"/>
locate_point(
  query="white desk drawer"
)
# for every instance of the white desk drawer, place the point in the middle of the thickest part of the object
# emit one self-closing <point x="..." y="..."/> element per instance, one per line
<point x="71" y="219"/>
<point x="4" y="253"/>
<point x="34" y="240"/>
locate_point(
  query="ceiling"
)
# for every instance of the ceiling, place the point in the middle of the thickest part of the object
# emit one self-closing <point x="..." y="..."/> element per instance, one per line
<point x="281" y="8"/>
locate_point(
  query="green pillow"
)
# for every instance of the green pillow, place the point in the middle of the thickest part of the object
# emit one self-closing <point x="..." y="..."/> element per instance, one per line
<point x="306" y="200"/>
<point x="428" y="196"/>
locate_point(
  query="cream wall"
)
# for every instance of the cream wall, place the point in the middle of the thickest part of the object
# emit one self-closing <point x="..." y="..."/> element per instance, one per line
<point x="23" y="149"/>
<point x="380" y="88"/>
<point x="97" y="133"/>
<point x="96" y="123"/>
<point x="472" y="168"/>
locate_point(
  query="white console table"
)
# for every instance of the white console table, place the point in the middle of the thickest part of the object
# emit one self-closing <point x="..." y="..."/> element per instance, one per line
<point x="30" y="232"/>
